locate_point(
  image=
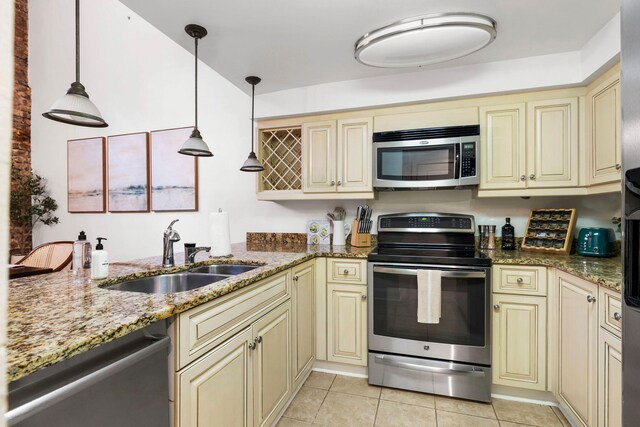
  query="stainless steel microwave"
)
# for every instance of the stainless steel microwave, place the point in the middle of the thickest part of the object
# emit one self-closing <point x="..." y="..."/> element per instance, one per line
<point x="426" y="158"/>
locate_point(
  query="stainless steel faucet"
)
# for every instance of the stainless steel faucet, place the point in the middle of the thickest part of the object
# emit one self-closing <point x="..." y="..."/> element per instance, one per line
<point x="169" y="238"/>
<point x="193" y="252"/>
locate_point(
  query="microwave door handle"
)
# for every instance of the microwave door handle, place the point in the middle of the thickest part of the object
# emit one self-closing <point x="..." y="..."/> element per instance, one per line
<point x="457" y="161"/>
<point x="445" y="274"/>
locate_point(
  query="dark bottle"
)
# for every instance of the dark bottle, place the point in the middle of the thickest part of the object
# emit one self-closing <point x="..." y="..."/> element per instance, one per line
<point x="508" y="236"/>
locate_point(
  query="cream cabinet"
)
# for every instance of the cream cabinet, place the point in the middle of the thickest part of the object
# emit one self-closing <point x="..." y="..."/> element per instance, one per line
<point x="520" y="341"/>
<point x="577" y="347"/>
<point x="303" y="315"/>
<point x="347" y="324"/>
<point x="609" y="380"/>
<point x="552" y="138"/>
<point x="603" y="131"/>
<point x="337" y="156"/>
<point x="503" y="147"/>
<point x="217" y="389"/>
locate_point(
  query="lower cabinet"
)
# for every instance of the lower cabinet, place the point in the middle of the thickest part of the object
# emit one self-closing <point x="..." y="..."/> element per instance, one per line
<point x="347" y="324"/>
<point x="303" y="315"/>
<point x="609" y="380"/>
<point x="244" y="382"/>
<point x="577" y="347"/>
<point x="520" y="341"/>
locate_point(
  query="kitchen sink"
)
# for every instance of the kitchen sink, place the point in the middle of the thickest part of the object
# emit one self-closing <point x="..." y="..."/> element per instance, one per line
<point x="168" y="283"/>
<point x="225" y="269"/>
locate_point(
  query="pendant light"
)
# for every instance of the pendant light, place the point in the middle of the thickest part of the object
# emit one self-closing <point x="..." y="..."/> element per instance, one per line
<point x="75" y="108"/>
<point x="195" y="145"/>
<point x="252" y="164"/>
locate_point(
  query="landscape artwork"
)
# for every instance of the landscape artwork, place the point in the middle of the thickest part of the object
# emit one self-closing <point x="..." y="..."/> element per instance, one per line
<point x="86" y="175"/>
<point x="128" y="177"/>
<point x="174" y="176"/>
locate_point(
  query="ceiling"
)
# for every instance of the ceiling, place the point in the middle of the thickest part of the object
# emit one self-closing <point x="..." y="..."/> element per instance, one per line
<point x="295" y="43"/>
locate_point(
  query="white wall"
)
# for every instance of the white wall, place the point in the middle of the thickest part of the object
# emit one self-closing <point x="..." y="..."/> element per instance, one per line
<point x="141" y="80"/>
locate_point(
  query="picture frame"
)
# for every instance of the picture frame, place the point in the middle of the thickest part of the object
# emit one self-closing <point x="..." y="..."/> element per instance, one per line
<point x="128" y="176"/>
<point x="174" y="176"/>
<point x="86" y="175"/>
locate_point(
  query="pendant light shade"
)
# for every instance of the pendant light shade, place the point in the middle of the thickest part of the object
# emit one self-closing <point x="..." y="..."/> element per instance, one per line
<point x="195" y="145"/>
<point x="252" y="164"/>
<point x="75" y="107"/>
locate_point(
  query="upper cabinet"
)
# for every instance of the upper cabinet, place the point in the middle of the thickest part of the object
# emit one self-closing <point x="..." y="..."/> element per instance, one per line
<point x="337" y="156"/>
<point x="603" y="132"/>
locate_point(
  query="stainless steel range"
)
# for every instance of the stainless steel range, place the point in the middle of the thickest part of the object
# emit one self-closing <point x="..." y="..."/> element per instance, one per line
<point x="449" y="355"/>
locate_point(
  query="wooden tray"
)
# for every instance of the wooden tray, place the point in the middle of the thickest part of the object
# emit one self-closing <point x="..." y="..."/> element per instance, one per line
<point x="550" y="231"/>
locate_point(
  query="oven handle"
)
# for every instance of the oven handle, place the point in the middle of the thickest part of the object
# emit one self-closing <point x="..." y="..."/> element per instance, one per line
<point x="470" y="370"/>
<point x="445" y="273"/>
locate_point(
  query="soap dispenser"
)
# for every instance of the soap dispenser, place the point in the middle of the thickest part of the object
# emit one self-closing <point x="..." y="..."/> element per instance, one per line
<point x="81" y="253"/>
<point x="99" y="261"/>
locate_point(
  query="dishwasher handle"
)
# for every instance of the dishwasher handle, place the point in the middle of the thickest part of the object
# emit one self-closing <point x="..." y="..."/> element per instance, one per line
<point x="25" y="411"/>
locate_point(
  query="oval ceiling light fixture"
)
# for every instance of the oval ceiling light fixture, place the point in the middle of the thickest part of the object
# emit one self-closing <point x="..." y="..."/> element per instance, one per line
<point x="425" y="40"/>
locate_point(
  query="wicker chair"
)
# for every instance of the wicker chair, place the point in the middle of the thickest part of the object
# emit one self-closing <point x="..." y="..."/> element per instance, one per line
<point x="54" y="255"/>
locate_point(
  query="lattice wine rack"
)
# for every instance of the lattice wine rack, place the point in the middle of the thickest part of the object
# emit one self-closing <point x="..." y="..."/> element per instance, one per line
<point x="282" y="158"/>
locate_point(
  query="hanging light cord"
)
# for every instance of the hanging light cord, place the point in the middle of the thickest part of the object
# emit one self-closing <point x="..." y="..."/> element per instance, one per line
<point x="78" y="41"/>
<point x="196" y="38"/>
<point x="253" y="102"/>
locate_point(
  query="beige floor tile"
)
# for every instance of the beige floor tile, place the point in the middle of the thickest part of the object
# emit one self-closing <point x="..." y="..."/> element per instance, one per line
<point x="467" y="407"/>
<point x="394" y="414"/>
<point x="320" y="380"/>
<point x="339" y="409"/>
<point x="561" y="416"/>
<point x="508" y="424"/>
<point x="409" y="397"/>
<point x="525" y="413"/>
<point x="357" y="386"/>
<point x="288" y="422"/>
<point x="452" y="419"/>
<point x="306" y="404"/>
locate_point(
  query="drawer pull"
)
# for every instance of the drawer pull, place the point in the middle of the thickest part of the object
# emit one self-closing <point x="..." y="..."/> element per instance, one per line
<point x="259" y="339"/>
<point x="496" y="306"/>
<point x="252" y="346"/>
<point x="617" y="316"/>
<point x="345" y="272"/>
<point x="523" y="177"/>
<point x="519" y="280"/>
<point x="618" y="166"/>
<point x="591" y="298"/>
<point x="295" y="278"/>
<point x="364" y="297"/>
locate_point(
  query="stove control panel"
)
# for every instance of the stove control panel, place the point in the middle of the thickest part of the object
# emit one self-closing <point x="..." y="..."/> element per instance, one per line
<point x="426" y="222"/>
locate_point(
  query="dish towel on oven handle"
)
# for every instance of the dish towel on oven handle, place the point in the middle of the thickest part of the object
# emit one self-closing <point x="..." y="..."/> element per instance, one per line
<point x="429" y="296"/>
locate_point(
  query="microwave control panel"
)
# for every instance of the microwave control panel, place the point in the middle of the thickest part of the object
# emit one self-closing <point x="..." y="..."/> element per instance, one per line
<point x="468" y="168"/>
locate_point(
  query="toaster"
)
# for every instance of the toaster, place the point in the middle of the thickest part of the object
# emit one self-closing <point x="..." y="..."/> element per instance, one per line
<point x="596" y="241"/>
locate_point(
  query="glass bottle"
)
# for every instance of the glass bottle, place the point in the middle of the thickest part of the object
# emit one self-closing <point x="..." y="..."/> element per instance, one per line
<point x="508" y="236"/>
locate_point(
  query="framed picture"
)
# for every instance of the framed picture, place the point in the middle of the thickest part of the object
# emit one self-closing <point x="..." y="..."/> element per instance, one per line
<point x="174" y="177"/>
<point x="128" y="176"/>
<point x="86" y="178"/>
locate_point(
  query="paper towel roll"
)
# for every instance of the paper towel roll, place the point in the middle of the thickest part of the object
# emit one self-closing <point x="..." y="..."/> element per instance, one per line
<point x="219" y="234"/>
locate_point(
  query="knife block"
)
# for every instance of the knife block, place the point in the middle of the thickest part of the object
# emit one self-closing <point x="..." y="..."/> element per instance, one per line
<point x="359" y="240"/>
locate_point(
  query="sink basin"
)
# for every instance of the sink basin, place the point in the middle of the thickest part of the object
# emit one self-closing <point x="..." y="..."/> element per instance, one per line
<point x="226" y="269"/>
<point x="168" y="283"/>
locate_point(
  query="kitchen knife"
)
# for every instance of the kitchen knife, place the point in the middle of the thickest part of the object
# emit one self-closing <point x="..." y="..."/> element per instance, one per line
<point x="358" y="217"/>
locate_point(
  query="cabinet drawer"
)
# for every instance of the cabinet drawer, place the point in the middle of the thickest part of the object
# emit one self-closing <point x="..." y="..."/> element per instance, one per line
<point x="203" y="328"/>
<point x="520" y="280"/>
<point x="347" y="271"/>
<point x="611" y="311"/>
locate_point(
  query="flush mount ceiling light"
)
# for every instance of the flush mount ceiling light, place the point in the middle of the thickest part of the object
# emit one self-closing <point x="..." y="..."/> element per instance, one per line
<point x="425" y="40"/>
<point x="195" y="145"/>
<point x="252" y="164"/>
<point x="75" y="108"/>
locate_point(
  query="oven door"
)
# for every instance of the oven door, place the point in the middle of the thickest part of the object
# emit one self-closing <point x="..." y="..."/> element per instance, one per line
<point x="464" y="331"/>
<point x="415" y="164"/>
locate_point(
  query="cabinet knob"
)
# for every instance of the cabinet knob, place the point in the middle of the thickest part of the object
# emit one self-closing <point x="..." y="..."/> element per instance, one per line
<point x="523" y="177"/>
<point x="519" y="280"/>
<point x="345" y="271"/>
<point x="259" y="339"/>
<point x="496" y="306"/>
<point x="617" y="316"/>
<point x="591" y="298"/>
<point x="295" y="278"/>
<point x="532" y="177"/>
<point x="618" y="166"/>
<point x="252" y="346"/>
<point x="333" y="183"/>
<point x="339" y="183"/>
<point x="364" y="297"/>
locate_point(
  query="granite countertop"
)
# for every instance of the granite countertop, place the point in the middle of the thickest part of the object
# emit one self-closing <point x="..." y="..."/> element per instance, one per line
<point x="55" y="316"/>
<point x="606" y="272"/>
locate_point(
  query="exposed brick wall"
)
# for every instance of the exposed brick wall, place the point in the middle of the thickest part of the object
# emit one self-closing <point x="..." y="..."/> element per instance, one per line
<point x="21" y="149"/>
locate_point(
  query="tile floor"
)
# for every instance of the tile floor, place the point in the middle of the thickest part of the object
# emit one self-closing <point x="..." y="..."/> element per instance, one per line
<point x="331" y="400"/>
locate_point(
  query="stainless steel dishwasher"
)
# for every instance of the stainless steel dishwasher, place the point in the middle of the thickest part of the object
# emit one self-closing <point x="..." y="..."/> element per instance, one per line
<point x="122" y="383"/>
